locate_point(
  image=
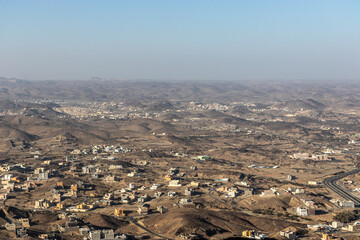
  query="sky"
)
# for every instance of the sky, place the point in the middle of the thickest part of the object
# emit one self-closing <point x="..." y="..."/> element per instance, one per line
<point x="180" y="40"/>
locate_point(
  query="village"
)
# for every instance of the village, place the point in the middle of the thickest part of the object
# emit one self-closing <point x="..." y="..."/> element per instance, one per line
<point x="175" y="161"/>
<point x="110" y="180"/>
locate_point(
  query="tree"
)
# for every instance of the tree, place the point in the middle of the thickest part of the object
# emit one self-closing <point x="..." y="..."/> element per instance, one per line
<point x="345" y="217"/>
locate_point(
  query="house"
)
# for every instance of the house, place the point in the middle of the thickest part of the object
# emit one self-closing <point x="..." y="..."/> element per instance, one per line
<point x="352" y="228"/>
<point x="5" y="168"/>
<point x="194" y="168"/>
<point x="168" y="177"/>
<point x="248" y="192"/>
<point x="7" y="177"/>
<point x="113" y="167"/>
<point x="303" y="212"/>
<point x="119" y="212"/>
<point x="72" y="193"/>
<point x="162" y="209"/>
<point x="125" y="198"/>
<point x="144" y="198"/>
<point x="105" y="235"/>
<point x="301" y="156"/>
<point x="312" y="210"/>
<point x="185" y="201"/>
<point x="155" y="186"/>
<point x="57" y="197"/>
<point x="10" y="187"/>
<point x="142" y="188"/>
<point x="233" y="192"/>
<point x="329" y="237"/>
<point x="254" y="235"/>
<point x="39" y="170"/>
<point x="248" y="233"/>
<point x="314" y="183"/>
<point x="90" y="169"/>
<point x="15" y="179"/>
<point x="158" y="194"/>
<point x="309" y="203"/>
<point x="133" y="174"/>
<point x="44" y="236"/>
<point x="5" y="182"/>
<point x="27" y="186"/>
<point x="242" y="183"/>
<point x="175" y="183"/>
<point x="21" y="233"/>
<point x="288" y="234"/>
<point x="107" y="202"/>
<point x="111" y="178"/>
<point x="203" y="157"/>
<point x="132" y="186"/>
<point x="10" y="226"/>
<point x="59" y="185"/>
<point x="337" y="224"/>
<point x="43" y="176"/>
<point x="189" y="192"/>
<point x="42" y="203"/>
<point x="102" y="235"/>
<point x="81" y="208"/>
<point x="3" y="196"/>
<point x="223" y="180"/>
<point x="171" y="194"/>
<point x="84" y="231"/>
<point x="292" y="189"/>
<point x="143" y="210"/>
<point x="59" y="206"/>
<point x="268" y="193"/>
<point x="320" y="157"/>
<point x="347" y="204"/>
<point x="299" y="191"/>
<point x="74" y="187"/>
<point x="290" y="177"/>
<point x="76" y="152"/>
<point x="109" y="196"/>
<point x="195" y="184"/>
<point x="24" y="222"/>
<point x="222" y="189"/>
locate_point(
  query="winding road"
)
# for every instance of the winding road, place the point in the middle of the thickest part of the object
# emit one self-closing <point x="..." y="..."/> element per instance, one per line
<point x="148" y="230"/>
<point x="330" y="183"/>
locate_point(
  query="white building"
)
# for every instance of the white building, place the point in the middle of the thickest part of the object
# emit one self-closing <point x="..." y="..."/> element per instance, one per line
<point x="155" y="186"/>
<point x="175" y="183"/>
<point x="347" y="204"/>
<point x="301" y="211"/>
<point x="337" y="224"/>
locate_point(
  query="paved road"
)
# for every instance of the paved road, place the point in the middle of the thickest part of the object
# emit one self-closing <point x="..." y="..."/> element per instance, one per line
<point x="331" y="184"/>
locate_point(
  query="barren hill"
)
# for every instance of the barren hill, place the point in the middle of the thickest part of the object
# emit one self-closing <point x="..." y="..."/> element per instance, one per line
<point x="208" y="222"/>
<point x="306" y="104"/>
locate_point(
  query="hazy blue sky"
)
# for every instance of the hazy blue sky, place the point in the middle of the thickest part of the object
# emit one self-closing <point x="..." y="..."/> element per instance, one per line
<point x="184" y="39"/>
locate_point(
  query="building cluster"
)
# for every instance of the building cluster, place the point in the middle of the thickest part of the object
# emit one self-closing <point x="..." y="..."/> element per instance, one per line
<point x="314" y="157"/>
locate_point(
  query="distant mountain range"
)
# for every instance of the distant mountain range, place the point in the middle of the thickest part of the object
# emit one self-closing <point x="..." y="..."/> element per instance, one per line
<point x="316" y="93"/>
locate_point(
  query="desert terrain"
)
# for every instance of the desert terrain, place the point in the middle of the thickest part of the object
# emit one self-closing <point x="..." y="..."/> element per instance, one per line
<point x="135" y="159"/>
